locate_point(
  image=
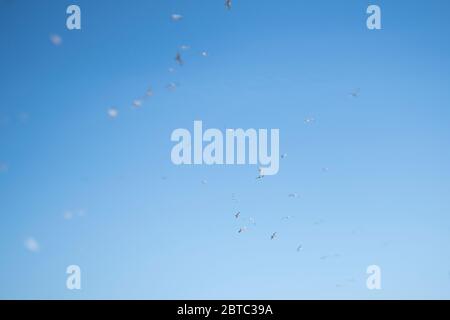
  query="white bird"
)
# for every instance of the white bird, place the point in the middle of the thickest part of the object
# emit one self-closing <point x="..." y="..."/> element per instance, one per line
<point x="32" y="245"/>
<point x="137" y="104"/>
<point x="309" y="120"/>
<point x="68" y="215"/>
<point x="273" y="236"/>
<point x="287" y="218"/>
<point x="172" y="86"/>
<point x="185" y="47"/>
<point x="113" y="113"/>
<point x="176" y="17"/>
<point x="55" y="39"/>
<point x="3" y="167"/>
<point x="204" y="182"/>
<point x="204" y="53"/>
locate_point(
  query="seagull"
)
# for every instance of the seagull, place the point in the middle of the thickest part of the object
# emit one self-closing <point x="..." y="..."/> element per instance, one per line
<point x="178" y="59"/>
<point x="309" y="120"/>
<point x="68" y="215"/>
<point x="32" y="245"/>
<point x="237" y="214"/>
<point x="228" y="4"/>
<point x="176" y="17"/>
<point x="172" y="86"/>
<point x="113" y="113"/>
<point x="137" y="103"/>
<point x="261" y="175"/>
<point x="55" y="39"/>
<point x="273" y="236"/>
<point x="3" y="167"/>
<point x="204" y="53"/>
<point x="355" y="93"/>
<point x="184" y="47"/>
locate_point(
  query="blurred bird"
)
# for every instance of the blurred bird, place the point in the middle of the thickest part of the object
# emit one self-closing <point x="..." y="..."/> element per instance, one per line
<point x="237" y="214"/>
<point x="273" y="236"/>
<point x="284" y="156"/>
<point x="228" y="4"/>
<point x="55" y="39"/>
<point x="355" y="93"/>
<point x="299" y="248"/>
<point x="241" y="230"/>
<point x="176" y="17"/>
<point x="178" y="59"/>
<point x="309" y="120"/>
<point x="137" y="104"/>
<point x="113" y="113"/>
<point x="172" y="86"/>
<point x="261" y="174"/>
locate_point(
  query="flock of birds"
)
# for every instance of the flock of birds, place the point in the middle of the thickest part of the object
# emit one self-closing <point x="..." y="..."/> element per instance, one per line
<point x="113" y="112"/>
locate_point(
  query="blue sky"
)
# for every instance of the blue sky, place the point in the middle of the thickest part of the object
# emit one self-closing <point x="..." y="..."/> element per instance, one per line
<point x="152" y="230"/>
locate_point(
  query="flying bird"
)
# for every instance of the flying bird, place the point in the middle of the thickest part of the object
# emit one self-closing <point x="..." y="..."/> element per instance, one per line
<point x="241" y="230"/>
<point x="55" y="39"/>
<point x="309" y="120"/>
<point x="261" y="174"/>
<point x="228" y="4"/>
<point x="299" y="248"/>
<point x="172" y="86"/>
<point x="137" y="104"/>
<point x="273" y="236"/>
<point x="237" y="214"/>
<point x="176" y="17"/>
<point x="178" y="59"/>
<point x="113" y="113"/>
<point x="355" y="93"/>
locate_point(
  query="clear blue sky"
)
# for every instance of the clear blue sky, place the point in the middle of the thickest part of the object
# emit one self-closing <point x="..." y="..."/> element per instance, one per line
<point x="271" y="64"/>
